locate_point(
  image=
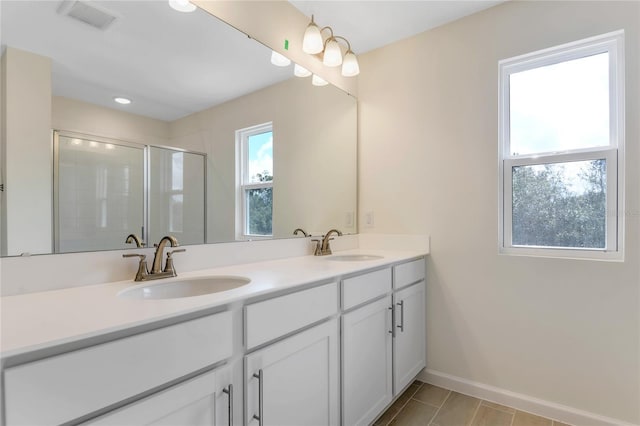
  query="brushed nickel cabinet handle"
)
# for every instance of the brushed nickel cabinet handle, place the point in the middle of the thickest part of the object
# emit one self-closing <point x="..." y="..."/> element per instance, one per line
<point x="392" y="331"/>
<point x="260" y="416"/>
<point x="401" y="326"/>
<point x="229" y="391"/>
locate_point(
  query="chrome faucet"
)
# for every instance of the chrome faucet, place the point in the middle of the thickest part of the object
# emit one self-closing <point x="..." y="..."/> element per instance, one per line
<point x="143" y="273"/>
<point x="133" y="238"/>
<point x="322" y="247"/>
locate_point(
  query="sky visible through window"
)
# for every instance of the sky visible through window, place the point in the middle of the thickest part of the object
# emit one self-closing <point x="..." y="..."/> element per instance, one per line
<point x="260" y="155"/>
<point x="560" y="107"/>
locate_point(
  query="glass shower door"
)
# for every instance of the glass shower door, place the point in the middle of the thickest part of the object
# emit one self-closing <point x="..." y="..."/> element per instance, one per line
<point x="98" y="194"/>
<point x="176" y="195"/>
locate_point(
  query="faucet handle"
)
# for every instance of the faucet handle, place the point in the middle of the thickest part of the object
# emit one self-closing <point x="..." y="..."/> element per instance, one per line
<point x="143" y="270"/>
<point x="142" y="257"/>
<point x="168" y="267"/>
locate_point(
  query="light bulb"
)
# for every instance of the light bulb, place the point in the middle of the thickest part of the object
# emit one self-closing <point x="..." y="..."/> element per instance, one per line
<point x="182" y="5"/>
<point x="279" y="60"/>
<point x="350" y="65"/>
<point x="332" y="53"/>
<point x="318" y="81"/>
<point x="312" y="40"/>
<point x="300" y="71"/>
<point x="121" y="100"/>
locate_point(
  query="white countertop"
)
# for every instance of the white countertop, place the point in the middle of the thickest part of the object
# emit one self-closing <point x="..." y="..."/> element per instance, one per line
<point x="40" y="320"/>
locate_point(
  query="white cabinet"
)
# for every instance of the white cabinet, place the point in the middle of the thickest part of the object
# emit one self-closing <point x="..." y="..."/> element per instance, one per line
<point x="273" y="318"/>
<point x="295" y="381"/>
<point x="366" y="362"/>
<point x="383" y="342"/>
<point x="202" y="401"/>
<point x="285" y="360"/>
<point x="365" y="287"/>
<point x="409" y="340"/>
<point x="78" y="383"/>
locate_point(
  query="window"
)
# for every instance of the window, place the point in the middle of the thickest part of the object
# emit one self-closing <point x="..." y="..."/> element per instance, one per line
<point x="255" y="181"/>
<point x="561" y="150"/>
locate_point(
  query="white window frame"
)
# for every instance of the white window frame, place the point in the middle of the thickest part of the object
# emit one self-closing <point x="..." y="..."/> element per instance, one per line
<point x="613" y="44"/>
<point x="242" y="179"/>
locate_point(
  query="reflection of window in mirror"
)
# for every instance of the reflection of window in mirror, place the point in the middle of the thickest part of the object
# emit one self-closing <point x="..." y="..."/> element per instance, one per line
<point x="256" y="181"/>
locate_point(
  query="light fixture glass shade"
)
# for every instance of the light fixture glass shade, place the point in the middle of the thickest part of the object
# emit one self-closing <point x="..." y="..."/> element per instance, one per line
<point x="182" y="5"/>
<point x="279" y="60"/>
<point x="332" y="53"/>
<point x="318" y="81"/>
<point x="300" y="71"/>
<point x="312" y="40"/>
<point x="350" y="65"/>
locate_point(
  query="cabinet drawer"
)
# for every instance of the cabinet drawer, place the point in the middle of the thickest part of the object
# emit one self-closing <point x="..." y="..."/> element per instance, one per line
<point x="365" y="287"/>
<point x="182" y="404"/>
<point x="408" y="273"/>
<point x="276" y="317"/>
<point x="64" y="387"/>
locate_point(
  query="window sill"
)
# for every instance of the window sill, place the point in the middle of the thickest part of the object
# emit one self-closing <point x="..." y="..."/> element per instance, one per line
<point x="563" y="253"/>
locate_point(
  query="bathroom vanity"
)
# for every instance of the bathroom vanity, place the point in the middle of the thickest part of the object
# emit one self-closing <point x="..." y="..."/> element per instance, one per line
<point x="308" y="341"/>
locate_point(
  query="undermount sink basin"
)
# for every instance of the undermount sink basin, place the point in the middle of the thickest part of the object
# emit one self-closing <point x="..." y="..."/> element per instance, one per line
<point x="354" y="257"/>
<point x="183" y="288"/>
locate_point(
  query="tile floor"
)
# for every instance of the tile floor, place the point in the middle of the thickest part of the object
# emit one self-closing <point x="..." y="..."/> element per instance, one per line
<point x="425" y="404"/>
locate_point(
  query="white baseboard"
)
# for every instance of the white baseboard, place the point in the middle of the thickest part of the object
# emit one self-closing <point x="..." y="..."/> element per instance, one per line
<point x="519" y="401"/>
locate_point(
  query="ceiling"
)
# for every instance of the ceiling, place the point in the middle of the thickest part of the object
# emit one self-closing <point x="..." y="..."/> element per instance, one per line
<point x="375" y="23"/>
<point x="173" y="64"/>
<point x="169" y="63"/>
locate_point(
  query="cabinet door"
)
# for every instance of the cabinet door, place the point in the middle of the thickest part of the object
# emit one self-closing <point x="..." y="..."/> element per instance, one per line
<point x="295" y="381"/>
<point x="366" y="362"/>
<point x="198" y="401"/>
<point x="409" y="342"/>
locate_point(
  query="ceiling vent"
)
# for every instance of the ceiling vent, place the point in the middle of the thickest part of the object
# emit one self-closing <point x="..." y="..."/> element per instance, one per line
<point x="85" y="12"/>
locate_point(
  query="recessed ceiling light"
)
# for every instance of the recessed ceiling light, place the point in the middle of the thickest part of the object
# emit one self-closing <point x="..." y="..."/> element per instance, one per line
<point x="182" y="5"/>
<point x="123" y="101"/>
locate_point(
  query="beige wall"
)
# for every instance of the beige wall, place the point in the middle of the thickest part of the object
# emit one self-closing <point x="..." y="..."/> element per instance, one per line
<point x="77" y="116"/>
<point x="560" y="330"/>
<point x="26" y="139"/>
<point x="314" y="153"/>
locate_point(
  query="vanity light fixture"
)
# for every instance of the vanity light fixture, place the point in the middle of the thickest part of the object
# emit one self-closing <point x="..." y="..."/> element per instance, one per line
<point x="182" y="5"/>
<point x="318" y="81"/>
<point x="279" y="60"/>
<point x="300" y="71"/>
<point x="122" y="101"/>
<point x="332" y="54"/>
<point x="350" y="65"/>
<point x="313" y="43"/>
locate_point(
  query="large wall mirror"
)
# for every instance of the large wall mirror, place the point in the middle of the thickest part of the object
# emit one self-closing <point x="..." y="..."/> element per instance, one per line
<point x="279" y="153"/>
